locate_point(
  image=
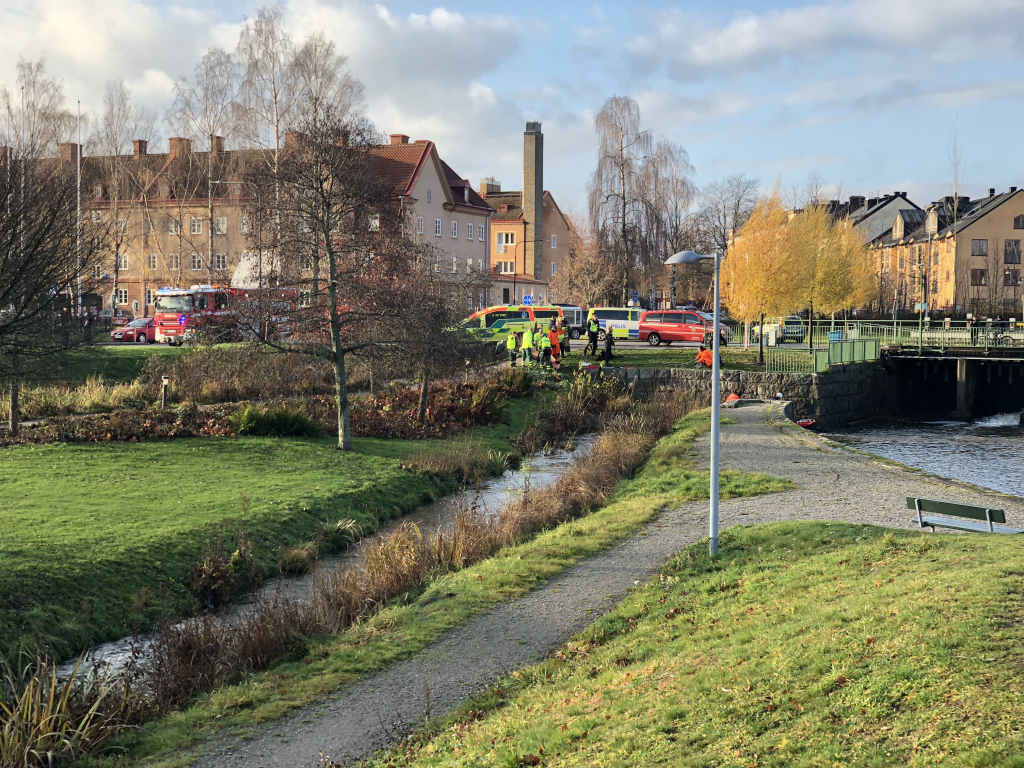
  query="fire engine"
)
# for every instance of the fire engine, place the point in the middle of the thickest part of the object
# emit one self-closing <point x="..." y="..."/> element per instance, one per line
<point x="181" y="313"/>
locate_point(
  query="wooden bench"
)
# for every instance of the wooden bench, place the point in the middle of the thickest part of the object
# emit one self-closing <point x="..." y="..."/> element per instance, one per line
<point x="950" y="510"/>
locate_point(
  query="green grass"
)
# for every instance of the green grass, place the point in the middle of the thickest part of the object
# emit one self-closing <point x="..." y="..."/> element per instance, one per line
<point x="805" y="644"/>
<point x="120" y="364"/>
<point x="96" y="538"/>
<point x="733" y="358"/>
<point x="668" y="479"/>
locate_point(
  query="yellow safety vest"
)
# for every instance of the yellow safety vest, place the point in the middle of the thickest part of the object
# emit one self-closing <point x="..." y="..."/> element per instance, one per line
<point x="527" y="340"/>
<point x="545" y="342"/>
<point x="510" y="342"/>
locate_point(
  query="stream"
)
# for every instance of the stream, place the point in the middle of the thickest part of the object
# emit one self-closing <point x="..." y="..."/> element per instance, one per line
<point x="536" y="471"/>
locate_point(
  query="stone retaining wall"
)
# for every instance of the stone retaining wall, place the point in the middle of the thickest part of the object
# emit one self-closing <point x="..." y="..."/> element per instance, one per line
<point x="844" y="394"/>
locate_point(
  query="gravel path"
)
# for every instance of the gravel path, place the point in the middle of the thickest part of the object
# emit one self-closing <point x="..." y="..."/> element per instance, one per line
<point x="376" y="712"/>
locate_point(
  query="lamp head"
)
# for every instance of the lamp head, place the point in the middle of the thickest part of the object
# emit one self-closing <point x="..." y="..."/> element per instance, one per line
<point x="689" y="257"/>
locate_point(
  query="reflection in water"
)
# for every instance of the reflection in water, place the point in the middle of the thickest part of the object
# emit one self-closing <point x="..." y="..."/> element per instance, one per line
<point x="537" y="471"/>
<point x="985" y="452"/>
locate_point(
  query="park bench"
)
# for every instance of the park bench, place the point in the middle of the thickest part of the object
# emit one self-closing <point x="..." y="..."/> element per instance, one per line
<point x="950" y="510"/>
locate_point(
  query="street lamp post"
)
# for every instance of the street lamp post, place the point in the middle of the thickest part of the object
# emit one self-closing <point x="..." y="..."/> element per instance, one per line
<point x="689" y="257"/>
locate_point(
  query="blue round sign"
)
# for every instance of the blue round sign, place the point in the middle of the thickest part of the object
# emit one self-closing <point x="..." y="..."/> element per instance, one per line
<point x="527" y="299"/>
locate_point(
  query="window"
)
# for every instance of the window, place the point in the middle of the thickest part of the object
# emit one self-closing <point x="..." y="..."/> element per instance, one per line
<point x="949" y="245"/>
<point x="506" y="267"/>
<point x="469" y="266"/>
<point x="935" y="258"/>
<point x="979" y="276"/>
<point x="122" y="261"/>
<point x="97" y="272"/>
<point x="455" y="264"/>
<point x="305" y="299"/>
<point x="220" y="261"/>
<point x="195" y="262"/>
<point x="419" y="225"/>
<point x="244" y="225"/>
<point x="220" y="225"/>
<point x="554" y="269"/>
<point x="1011" y="277"/>
<point x="455" y="229"/>
<point x="469" y="231"/>
<point x="122" y="295"/>
<point x="375" y="222"/>
<point x="173" y="226"/>
<point x="901" y="262"/>
<point x="1018" y="222"/>
<point x="428" y="195"/>
<point x="174" y="262"/>
<point x="122" y="226"/>
<point x="196" y="226"/>
<point x="437" y="263"/>
<point x="504" y="239"/>
<point x="150" y="296"/>
<point x="470" y="302"/>
<point x="437" y="227"/>
<point x="152" y="263"/>
<point x="947" y="275"/>
<point x="554" y="241"/>
<point x="1011" y="252"/>
<point x="482" y="263"/>
<point x="95" y="216"/>
<point x="480" y="233"/>
<point x="979" y="247"/>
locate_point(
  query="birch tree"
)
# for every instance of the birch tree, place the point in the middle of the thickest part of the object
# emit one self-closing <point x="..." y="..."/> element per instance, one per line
<point x="47" y="120"/>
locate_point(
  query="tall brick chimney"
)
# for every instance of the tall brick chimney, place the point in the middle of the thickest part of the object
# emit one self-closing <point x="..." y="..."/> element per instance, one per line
<point x="217" y="146"/>
<point x="533" y="199"/>
<point x="489" y="186"/>
<point x="179" y="147"/>
<point x="69" y="152"/>
<point x="139" y="148"/>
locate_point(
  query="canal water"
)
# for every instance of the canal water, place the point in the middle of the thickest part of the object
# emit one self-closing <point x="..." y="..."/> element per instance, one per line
<point x="536" y="471"/>
<point x="986" y="452"/>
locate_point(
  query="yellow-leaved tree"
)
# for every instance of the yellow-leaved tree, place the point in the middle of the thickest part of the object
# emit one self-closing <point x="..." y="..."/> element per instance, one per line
<point x="758" y="276"/>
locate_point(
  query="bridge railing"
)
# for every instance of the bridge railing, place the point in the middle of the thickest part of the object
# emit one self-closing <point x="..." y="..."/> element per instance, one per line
<point x="911" y="333"/>
<point x="778" y="360"/>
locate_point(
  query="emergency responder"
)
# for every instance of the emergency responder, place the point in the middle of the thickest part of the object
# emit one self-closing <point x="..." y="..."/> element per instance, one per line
<point x="609" y="342"/>
<point x="527" y="347"/>
<point x="563" y="338"/>
<point x="554" y="336"/>
<point x="511" y="343"/>
<point x="705" y="358"/>
<point x="545" y="351"/>
<point x="593" y="328"/>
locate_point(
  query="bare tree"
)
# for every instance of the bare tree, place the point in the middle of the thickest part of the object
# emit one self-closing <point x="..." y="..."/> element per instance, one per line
<point x="121" y="123"/>
<point x="203" y="111"/>
<point x="586" y="276"/>
<point x="725" y="207"/>
<point x="38" y="267"/>
<point x="47" y="120"/>
<point x="323" y="80"/>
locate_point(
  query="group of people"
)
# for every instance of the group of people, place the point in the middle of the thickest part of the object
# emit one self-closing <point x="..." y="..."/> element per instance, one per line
<point x="546" y="347"/>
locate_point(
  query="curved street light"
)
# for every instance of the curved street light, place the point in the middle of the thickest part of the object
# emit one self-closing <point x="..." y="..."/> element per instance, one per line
<point x="690" y="257"/>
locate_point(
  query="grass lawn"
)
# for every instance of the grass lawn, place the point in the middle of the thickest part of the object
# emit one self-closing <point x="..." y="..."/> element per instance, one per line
<point x="806" y="644"/>
<point x="668" y="478"/>
<point x="116" y="364"/>
<point x="733" y="358"/>
<point x="96" y="538"/>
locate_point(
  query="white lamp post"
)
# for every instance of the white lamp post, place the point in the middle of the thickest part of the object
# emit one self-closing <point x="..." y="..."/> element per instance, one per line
<point x="689" y="257"/>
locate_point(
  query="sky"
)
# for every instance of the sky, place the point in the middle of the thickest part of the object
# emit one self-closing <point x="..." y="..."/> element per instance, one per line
<point x="867" y="94"/>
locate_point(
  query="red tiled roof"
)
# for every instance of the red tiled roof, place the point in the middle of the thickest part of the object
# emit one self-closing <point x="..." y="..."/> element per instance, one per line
<point x="508" y="206"/>
<point x="458" y="183"/>
<point x="400" y="164"/>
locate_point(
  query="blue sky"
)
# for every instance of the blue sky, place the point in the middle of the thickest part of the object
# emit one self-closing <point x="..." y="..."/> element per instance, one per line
<point x="866" y="93"/>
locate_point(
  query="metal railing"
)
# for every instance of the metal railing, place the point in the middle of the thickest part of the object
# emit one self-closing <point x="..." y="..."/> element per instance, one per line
<point x="936" y="334"/>
<point x="819" y="360"/>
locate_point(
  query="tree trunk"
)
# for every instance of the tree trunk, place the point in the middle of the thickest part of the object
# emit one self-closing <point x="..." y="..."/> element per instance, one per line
<point x="760" y="343"/>
<point x="341" y="400"/>
<point x="15" y="415"/>
<point x="746" y="333"/>
<point x="421" y="413"/>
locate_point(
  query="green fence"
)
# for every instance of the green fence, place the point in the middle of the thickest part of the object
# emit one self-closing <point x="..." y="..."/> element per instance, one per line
<point x="937" y="334"/>
<point x="778" y="360"/>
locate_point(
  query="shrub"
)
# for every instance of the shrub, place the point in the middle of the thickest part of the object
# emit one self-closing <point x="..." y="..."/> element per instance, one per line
<point x="299" y="560"/>
<point x="516" y="382"/>
<point x="273" y="421"/>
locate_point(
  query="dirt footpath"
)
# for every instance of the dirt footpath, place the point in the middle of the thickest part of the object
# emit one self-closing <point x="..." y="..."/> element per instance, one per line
<point x="356" y="721"/>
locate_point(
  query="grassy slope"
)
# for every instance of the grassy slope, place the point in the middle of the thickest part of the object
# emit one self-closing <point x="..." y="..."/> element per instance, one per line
<point x="103" y="524"/>
<point x="119" y="364"/>
<point x="403" y="629"/>
<point x="733" y="358"/>
<point x="807" y="644"/>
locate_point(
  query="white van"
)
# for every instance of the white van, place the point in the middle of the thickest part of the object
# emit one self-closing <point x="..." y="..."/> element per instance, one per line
<point x="624" y="323"/>
<point x="575" y="319"/>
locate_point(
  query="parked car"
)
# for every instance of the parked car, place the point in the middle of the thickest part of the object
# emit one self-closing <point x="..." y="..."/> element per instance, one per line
<point x="575" y="319"/>
<point x="142" y="330"/>
<point x="624" y="323"/>
<point x="787" y="329"/>
<point x="658" y="327"/>
<point x="114" y="317"/>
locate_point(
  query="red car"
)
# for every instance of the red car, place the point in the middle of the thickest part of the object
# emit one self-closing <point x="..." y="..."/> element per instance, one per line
<point x="142" y="330"/>
<point x="665" y="327"/>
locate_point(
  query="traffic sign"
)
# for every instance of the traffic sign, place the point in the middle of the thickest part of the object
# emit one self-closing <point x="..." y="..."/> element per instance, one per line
<point x="636" y="296"/>
<point x="527" y="299"/>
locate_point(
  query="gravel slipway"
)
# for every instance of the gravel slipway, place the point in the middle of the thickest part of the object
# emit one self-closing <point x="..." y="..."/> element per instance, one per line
<point x="376" y="712"/>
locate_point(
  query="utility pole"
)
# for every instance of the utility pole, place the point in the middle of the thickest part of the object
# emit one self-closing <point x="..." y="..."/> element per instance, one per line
<point x="78" y="302"/>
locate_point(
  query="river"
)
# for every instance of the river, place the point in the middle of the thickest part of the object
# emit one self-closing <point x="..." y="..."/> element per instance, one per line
<point x="536" y="471"/>
<point x="986" y="452"/>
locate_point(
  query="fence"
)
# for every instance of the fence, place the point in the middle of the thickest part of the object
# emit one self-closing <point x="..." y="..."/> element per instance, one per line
<point x="818" y="360"/>
<point x="910" y="333"/>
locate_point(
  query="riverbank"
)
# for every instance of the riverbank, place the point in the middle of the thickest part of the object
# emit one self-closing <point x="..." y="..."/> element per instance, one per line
<point x="98" y="540"/>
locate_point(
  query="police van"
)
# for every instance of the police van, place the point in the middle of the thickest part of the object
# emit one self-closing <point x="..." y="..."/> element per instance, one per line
<point x="624" y="323"/>
<point x="494" y="323"/>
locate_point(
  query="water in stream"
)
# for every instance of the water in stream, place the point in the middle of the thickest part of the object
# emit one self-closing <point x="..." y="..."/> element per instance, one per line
<point x="986" y="452"/>
<point x="536" y="471"/>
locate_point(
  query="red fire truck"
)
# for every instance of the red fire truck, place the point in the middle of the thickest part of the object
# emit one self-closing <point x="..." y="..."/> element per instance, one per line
<point x="182" y="313"/>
